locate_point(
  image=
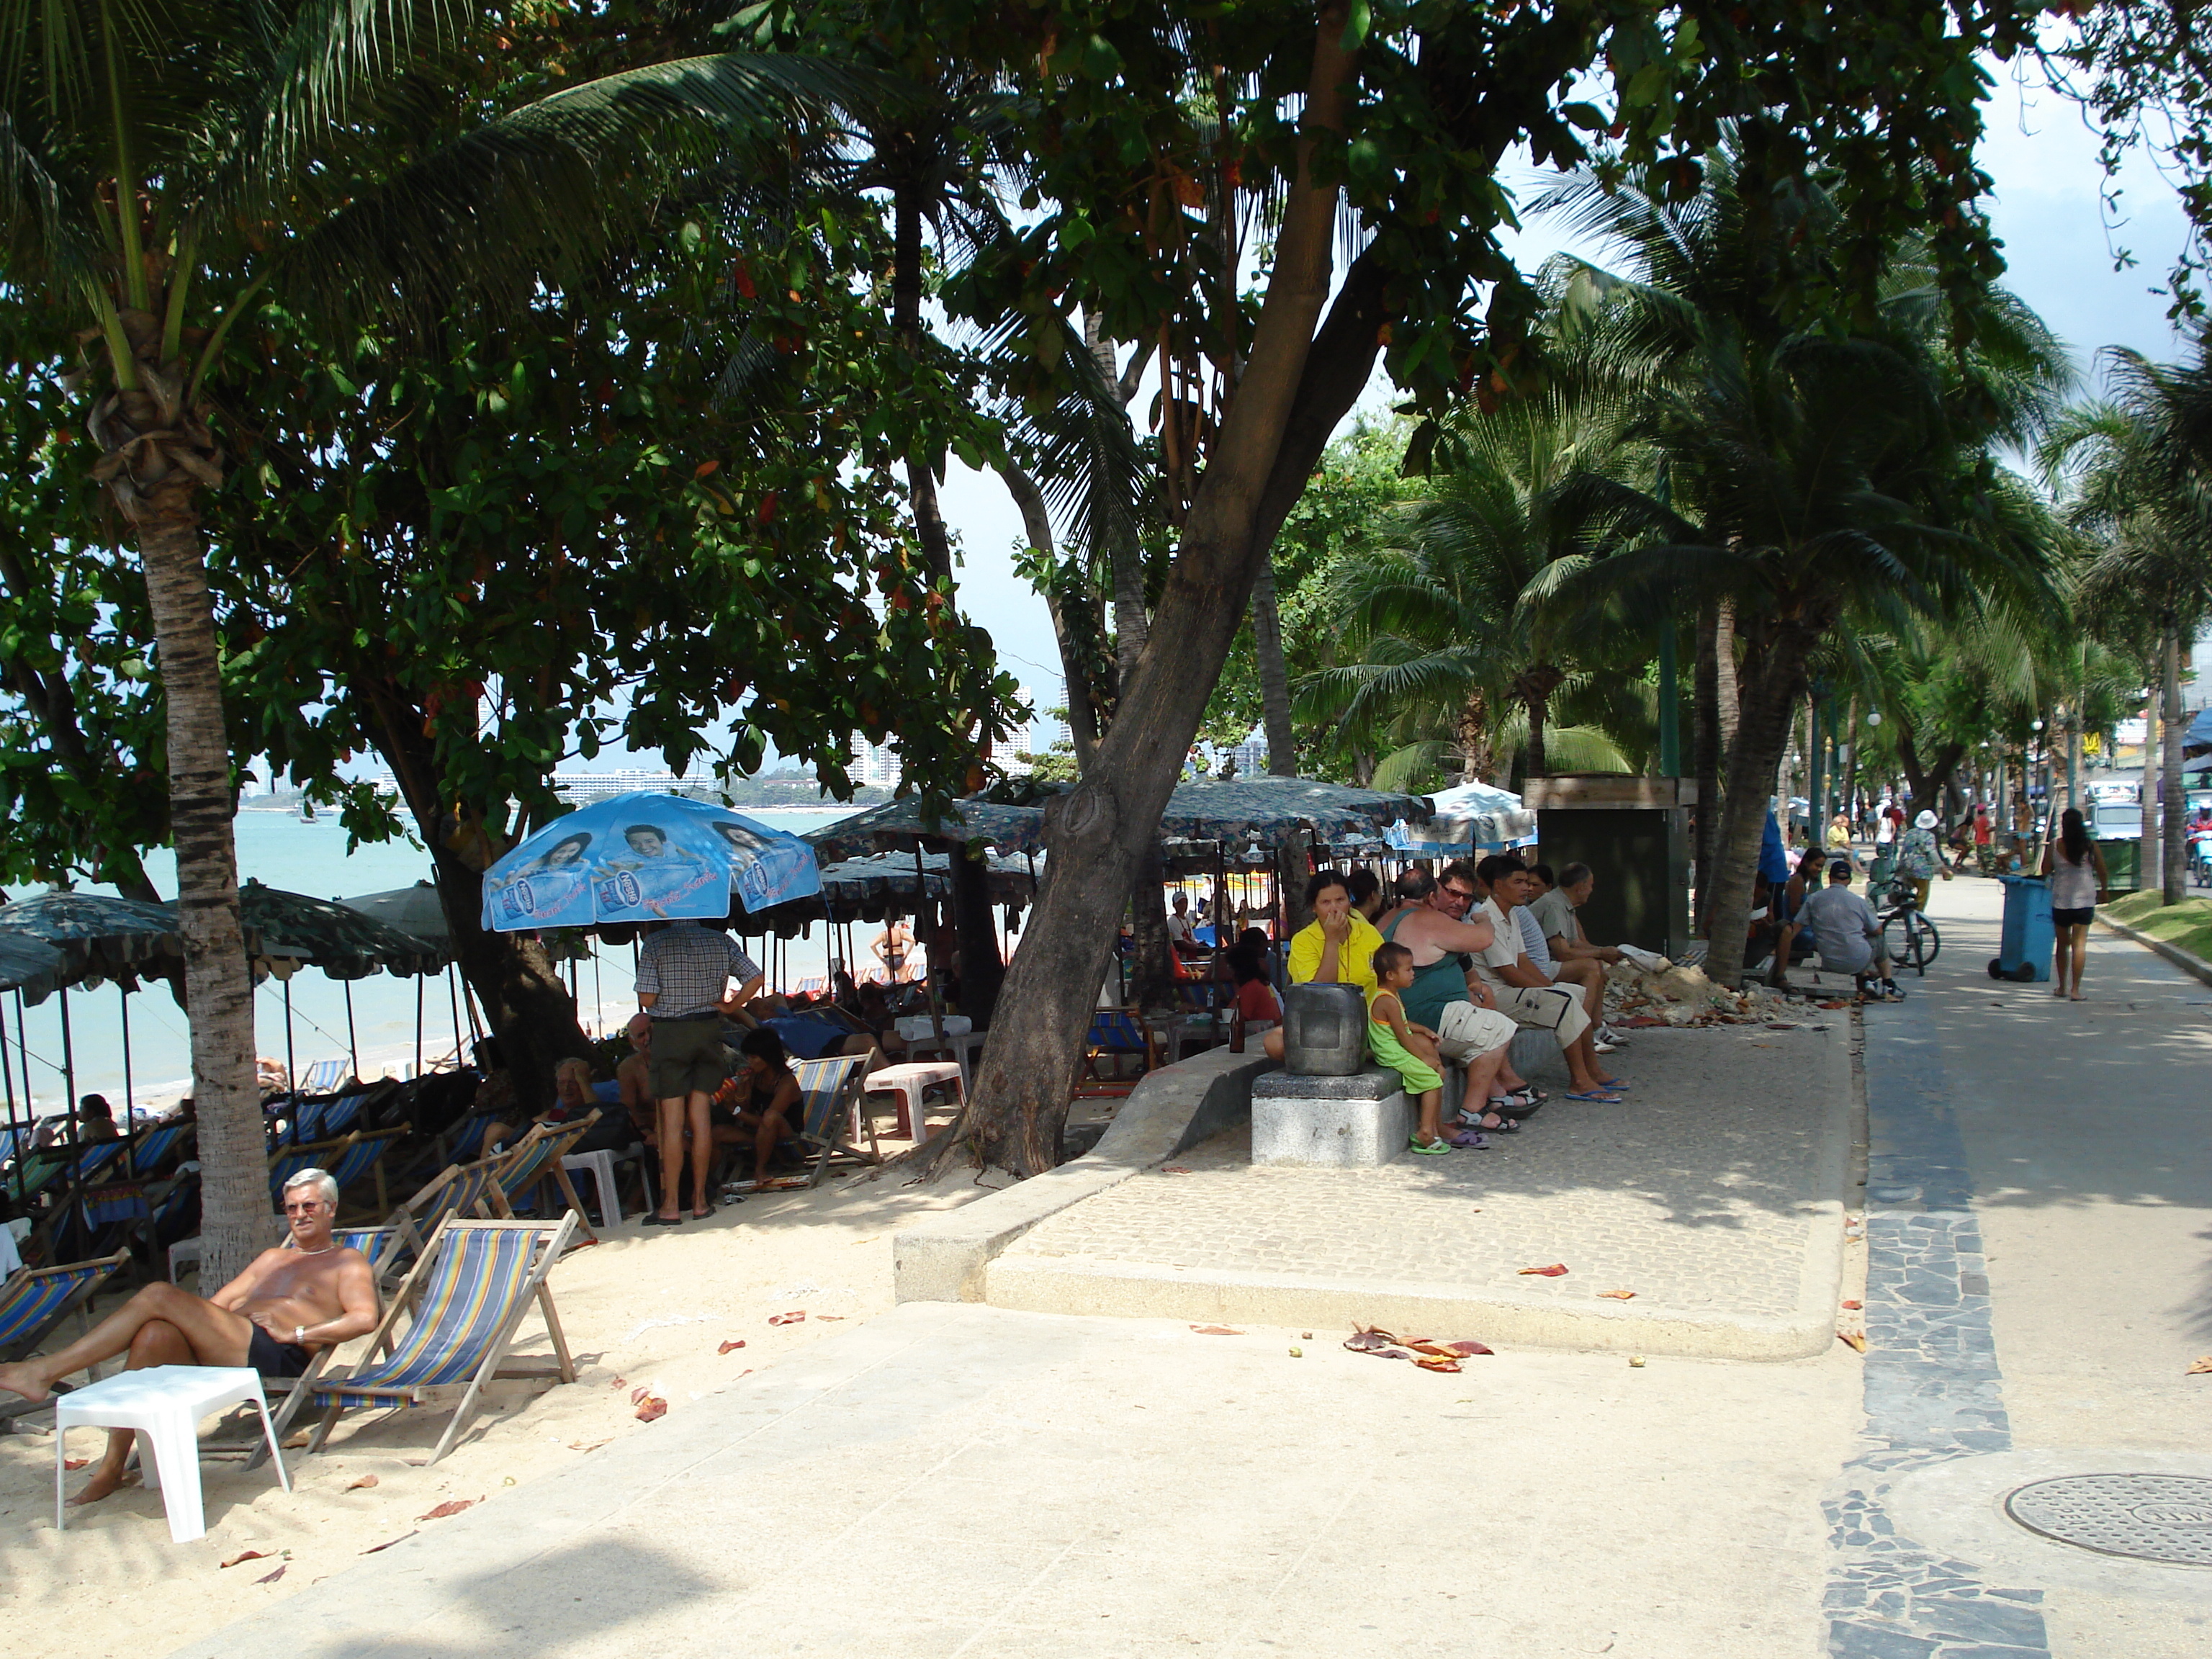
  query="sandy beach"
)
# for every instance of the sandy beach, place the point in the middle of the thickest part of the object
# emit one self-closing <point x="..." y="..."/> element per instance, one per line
<point x="640" y="1309"/>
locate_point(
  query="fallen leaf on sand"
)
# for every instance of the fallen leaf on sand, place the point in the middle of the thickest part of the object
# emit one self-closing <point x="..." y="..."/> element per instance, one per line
<point x="585" y="1445"/>
<point x="1427" y="1352"/>
<point x="2202" y="1368"/>
<point x="652" y="1410"/>
<point x="1215" y="1330"/>
<point x="618" y="1382"/>
<point x="388" y="1543"/>
<point x="78" y="1463"/>
<point x="829" y="1316"/>
<point x="451" y="1506"/>
<point x="1854" y="1306"/>
<point x="1619" y="1296"/>
<point x="249" y="1555"/>
<point x="1468" y="1348"/>
<point x="360" y="1481"/>
<point x="1175" y="1169"/>
<point x="1853" y="1339"/>
<point x="270" y="1578"/>
<point x="731" y="1346"/>
<point x="1832" y="1005"/>
<point x="297" y="1440"/>
<point x="636" y="1394"/>
<point x="797" y="1316"/>
<point x="1554" y="1270"/>
<point x="1432" y="1362"/>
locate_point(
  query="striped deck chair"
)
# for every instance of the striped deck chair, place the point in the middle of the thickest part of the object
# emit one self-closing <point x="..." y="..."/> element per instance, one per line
<point x="1114" y="1032"/>
<point x="467" y="1292"/>
<point x="536" y="1158"/>
<point x="324" y="1076"/>
<point x="151" y="1149"/>
<point x="35" y="1300"/>
<point x="831" y="1090"/>
<point x="456" y="1190"/>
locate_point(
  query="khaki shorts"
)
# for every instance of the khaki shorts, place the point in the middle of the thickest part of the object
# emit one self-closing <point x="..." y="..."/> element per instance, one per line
<point x="1464" y="1030"/>
<point x="1554" y="1008"/>
<point x="688" y="1057"/>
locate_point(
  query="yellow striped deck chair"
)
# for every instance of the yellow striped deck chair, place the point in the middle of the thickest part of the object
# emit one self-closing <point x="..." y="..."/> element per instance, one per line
<point x="535" y="1157"/>
<point x="829" y="1093"/>
<point x="33" y="1302"/>
<point x="468" y="1291"/>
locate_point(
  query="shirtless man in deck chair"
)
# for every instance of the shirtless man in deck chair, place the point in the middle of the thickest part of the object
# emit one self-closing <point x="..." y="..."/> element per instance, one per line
<point x="305" y="1294"/>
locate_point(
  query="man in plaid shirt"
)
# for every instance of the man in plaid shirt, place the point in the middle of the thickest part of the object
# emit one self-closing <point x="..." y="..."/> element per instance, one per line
<point x="683" y="975"/>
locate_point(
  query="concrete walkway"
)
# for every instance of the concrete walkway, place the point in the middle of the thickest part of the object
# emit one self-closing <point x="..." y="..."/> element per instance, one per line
<point x="1715" y="1194"/>
<point x="956" y="1479"/>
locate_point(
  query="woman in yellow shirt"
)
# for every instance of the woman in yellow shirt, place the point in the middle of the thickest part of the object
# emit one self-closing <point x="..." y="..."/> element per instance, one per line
<point x="1338" y="946"/>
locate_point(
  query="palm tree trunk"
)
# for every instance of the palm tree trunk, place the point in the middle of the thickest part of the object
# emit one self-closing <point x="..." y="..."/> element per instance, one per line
<point x="1082" y="699"/>
<point x="1769" y="712"/>
<point x="2146" y="858"/>
<point x="906" y="323"/>
<point x="1536" y="763"/>
<point x="2174" y="842"/>
<point x="1274" y="674"/>
<point x="1705" y="700"/>
<point x="1727" y="701"/>
<point x="1477" y="761"/>
<point x="234" y="1206"/>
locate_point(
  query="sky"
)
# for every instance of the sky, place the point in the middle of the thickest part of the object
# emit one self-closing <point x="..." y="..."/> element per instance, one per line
<point x="2045" y="210"/>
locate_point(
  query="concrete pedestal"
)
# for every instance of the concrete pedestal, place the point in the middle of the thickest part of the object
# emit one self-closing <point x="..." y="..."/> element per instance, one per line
<point x="1330" y="1122"/>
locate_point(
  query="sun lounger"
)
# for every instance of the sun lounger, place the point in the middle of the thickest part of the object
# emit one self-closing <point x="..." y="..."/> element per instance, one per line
<point x="346" y="1160"/>
<point x="831" y="1090"/>
<point x="458" y="1189"/>
<point x="1115" y="1032"/>
<point x="35" y="1301"/>
<point x="324" y="1076"/>
<point x="467" y="1292"/>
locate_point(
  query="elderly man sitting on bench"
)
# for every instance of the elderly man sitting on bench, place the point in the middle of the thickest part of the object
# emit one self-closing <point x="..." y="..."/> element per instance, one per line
<point x="307" y="1293"/>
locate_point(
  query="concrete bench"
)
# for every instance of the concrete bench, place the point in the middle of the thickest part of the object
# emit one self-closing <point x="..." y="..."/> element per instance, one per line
<point x="1330" y="1122"/>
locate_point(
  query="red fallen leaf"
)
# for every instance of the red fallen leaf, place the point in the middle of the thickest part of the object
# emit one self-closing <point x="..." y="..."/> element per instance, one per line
<point x="360" y="1481"/>
<point x="796" y="1317"/>
<point x="1854" y="1340"/>
<point x="1369" y="1340"/>
<point x="75" y="1462"/>
<point x="450" y="1507"/>
<point x="1554" y="1270"/>
<point x="1832" y="1005"/>
<point x="828" y="1318"/>
<point x="636" y="1394"/>
<point x="731" y="1347"/>
<point x="1619" y="1296"/>
<point x="1215" y="1330"/>
<point x="1639" y="1019"/>
<point x="1431" y="1362"/>
<point x="249" y="1555"/>
<point x="1854" y="1306"/>
<point x="652" y="1410"/>
<point x="374" y="1548"/>
<point x="272" y="1577"/>
<point x="618" y="1382"/>
<point x="1469" y="1349"/>
<point x="1175" y="1169"/>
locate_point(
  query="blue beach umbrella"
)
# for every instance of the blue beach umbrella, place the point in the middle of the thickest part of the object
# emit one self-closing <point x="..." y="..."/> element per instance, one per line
<point x="645" y="857"/>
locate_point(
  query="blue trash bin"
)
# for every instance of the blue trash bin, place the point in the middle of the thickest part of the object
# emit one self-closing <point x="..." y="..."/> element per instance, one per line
<point x="2024" y="946"/>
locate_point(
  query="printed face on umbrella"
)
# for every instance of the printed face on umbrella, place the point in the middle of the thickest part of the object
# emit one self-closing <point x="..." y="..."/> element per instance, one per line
<point x="646" y="841"/>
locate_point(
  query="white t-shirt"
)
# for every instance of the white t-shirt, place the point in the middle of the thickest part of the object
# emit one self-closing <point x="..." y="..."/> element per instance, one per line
<point x="1504" y="949"/>
<point x="1179" y="926"/>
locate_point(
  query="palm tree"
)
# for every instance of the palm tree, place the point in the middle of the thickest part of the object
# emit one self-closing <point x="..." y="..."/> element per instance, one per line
<point x="162" y="169"/>
<point x="1815" y="475"/>
<point x="1449" y="617"/>
<point x="2139" y="472"/>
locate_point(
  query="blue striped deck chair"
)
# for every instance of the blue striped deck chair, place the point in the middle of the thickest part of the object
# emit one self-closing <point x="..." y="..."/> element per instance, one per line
<point x="1114" y="1032"/>
<point x="35" y="1302"/>
<point x="536" y="1158"/>
<point x="466" y="1295"/>
<point x="456" y="1190"/>
<point x="829" y="1088"/>
<point x="324" y="1076"/>
<point x="468" y="1135"/>
<point x="151" y="1148"/>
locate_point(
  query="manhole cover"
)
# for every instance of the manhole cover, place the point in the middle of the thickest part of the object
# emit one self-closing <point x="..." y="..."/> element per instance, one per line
<point x="2147" y="1517"/>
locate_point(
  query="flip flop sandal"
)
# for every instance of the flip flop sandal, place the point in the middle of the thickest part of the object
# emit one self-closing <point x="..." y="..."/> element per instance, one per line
<point x="700" y="1215"/>
<point x="1468" y="1140"/>
<point x="1602" y="1097"/>
<point x="1429" y="1148"/>
<point x="664" y="1221"/>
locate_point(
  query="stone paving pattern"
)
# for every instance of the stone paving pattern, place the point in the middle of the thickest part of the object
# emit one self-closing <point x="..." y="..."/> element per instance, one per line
<point x="1933" y="1388"/>
<point x="1696" y="1193"/>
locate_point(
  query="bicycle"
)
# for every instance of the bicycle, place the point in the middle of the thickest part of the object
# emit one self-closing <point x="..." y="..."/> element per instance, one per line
<point x="1917" y="943"/>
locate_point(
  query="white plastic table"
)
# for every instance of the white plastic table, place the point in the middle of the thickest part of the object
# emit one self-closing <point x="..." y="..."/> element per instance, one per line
<point x="600" y="1166"/>
<point x="960" y="1046"/>
<point x="907" y="1082"/>
<point x="164" y="1404"/>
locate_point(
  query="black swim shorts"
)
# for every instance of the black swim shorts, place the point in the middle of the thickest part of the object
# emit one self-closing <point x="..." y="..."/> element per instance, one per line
<point x="274" y="1358"/>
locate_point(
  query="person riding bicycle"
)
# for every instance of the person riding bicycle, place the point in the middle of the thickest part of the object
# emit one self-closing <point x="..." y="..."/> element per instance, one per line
<point x="1919" y="857"/>
<point x="1849" y="936"/>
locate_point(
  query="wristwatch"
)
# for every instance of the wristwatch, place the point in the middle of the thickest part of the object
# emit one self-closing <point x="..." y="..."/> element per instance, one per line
<point x="298" y="1336"/>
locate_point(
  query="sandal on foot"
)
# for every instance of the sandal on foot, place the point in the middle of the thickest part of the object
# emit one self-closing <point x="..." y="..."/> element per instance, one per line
<point x="1602" y="1097"/>
<point x="1428" y="1148"/>
<point x="1468" y="1140"/>
<point x="664" y="1221"/>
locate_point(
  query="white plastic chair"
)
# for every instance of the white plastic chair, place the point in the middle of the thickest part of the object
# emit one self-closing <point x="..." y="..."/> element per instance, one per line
<point x="164" y="1404"/>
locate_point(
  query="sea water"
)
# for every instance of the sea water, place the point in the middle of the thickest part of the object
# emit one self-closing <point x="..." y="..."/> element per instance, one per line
<point x="309" y="856"/>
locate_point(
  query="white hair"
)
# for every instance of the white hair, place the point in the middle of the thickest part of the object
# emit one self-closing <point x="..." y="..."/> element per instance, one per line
<point x="325" y="1189"/>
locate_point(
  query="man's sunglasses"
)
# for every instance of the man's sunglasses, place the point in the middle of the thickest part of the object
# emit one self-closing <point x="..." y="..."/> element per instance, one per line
<point x="1464" y="895"/>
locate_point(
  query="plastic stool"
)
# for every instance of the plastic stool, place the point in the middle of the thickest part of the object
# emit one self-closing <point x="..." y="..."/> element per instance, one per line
<point x="907" y="1082"/>
<point x="164" y="1404"/>
<point x="602" y="1167"/>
